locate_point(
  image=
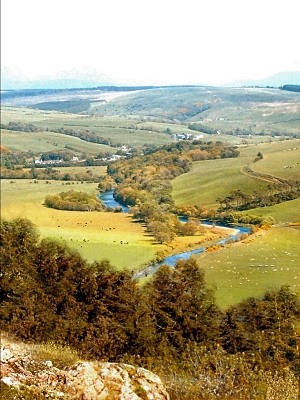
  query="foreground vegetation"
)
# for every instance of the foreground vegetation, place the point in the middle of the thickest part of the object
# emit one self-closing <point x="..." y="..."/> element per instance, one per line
<point x="172" y="325"/>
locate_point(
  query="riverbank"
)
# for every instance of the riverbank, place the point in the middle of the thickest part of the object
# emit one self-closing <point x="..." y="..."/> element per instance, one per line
<point x="185" y="247"/>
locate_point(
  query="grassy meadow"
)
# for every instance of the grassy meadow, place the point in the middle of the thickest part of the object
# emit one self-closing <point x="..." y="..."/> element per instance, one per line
<point x="264" y="261"/>
<point x="96" y="235"/>
<point x="287" y="211"/>
<point x="280" y="159"/>
<point x="96" y="170"/>
<point x="211" y="179"/>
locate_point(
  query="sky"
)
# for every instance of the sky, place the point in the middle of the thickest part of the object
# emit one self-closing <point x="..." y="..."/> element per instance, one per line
<point x="147" y="42"/>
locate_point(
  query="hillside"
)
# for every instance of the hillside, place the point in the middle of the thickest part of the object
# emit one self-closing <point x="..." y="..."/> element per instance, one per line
<point x="243" y="112"/>
<point x="209" y="180"/>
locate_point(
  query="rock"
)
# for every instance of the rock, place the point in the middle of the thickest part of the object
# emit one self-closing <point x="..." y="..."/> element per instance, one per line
<point x="82" y="381"/>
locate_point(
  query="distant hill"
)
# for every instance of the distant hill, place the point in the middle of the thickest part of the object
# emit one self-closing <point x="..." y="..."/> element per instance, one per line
<point x="277" y="80"/>
<point x="292" y="88"/>
<point x="238" y="111"/>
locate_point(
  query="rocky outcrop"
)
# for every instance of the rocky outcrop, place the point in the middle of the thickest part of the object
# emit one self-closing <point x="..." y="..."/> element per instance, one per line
<point x="23" y="375"/>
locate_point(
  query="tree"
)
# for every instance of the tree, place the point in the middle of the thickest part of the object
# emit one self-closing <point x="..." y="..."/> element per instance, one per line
<point x="162" y="232"/>
<point x="18" y="239"/>
<point x="183" y="306"/>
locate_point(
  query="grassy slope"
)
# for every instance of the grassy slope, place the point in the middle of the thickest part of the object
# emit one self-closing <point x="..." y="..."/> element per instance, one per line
<point x="268" y="110"/>
<point x="280" y="159"/>
<point x="48" y="141"/>
<point x="211" y="179"/>
<point x="117" y="129"/>
<point x="288" y="211"/>
<point x="229" y="108"/>
<point x="231" y="269"/>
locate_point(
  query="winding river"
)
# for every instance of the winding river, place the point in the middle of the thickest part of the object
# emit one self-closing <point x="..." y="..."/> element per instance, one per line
<point x="108" y="199"/>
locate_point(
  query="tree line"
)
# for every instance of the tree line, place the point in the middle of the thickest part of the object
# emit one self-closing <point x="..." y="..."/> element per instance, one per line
<point x="49" y="173"/>
<point x="238" y="200"/>
<point x="13" y="160"/>
<point x="19" y="126"/>
<point x="83" y="134"/>
<point x="171" y="325"/>
<point x="292" y="88"/>
<point x="86" y="135"/>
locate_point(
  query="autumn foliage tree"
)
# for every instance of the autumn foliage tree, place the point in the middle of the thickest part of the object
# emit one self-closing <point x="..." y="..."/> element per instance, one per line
<point x="74" y="201"/>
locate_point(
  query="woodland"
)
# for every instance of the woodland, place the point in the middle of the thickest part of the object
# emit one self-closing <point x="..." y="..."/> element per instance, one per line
<point x="171" y="325"/>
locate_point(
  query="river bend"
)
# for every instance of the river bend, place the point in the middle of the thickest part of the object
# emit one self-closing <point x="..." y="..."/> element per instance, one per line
<point x="109" y="201"/>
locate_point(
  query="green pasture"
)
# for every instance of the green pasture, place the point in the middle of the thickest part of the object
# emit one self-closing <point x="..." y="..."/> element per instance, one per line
<point x="97" y="169"/>
<point x="212" y="179"/>
<point x="122" y="130"/>
<point x="103" y="244"/>
<point x="267" y="260"/>
<point x="49" y="141"/>
<point x="288" y="211"/>
<point x="34" y="116"/>
<point x="264" y="118"/>
<point x="96" y="235"/>
<point x="280" y="159"/>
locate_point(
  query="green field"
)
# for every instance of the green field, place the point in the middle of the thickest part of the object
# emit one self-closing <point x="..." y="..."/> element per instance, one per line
<point x="266" y="260"/>
<point x="40" y="141"/>
<point x="97" y="170"/>
<point x="211" y="179"/>
<point x="287" y="211"/>
<point x="96" y="235"/>
<point x="280" y="159"/>
<point x="123" y="130"/>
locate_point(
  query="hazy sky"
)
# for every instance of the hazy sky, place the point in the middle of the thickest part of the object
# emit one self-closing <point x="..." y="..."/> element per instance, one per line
<point x="149" y="41"/>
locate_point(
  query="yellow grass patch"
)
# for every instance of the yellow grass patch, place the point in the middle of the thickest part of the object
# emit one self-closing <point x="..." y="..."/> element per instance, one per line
<point x="96" y="235"/>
